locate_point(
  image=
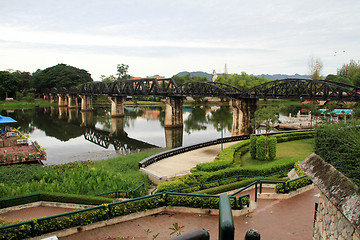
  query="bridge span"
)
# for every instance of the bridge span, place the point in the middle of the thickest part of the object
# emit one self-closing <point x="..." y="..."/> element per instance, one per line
<point x="242" y="101"/>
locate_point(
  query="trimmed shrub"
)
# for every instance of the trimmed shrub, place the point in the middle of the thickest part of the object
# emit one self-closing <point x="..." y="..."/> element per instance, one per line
<point x="339" y="145"/>
<point x="294" y="185"/>
<point x="272" y="147"/>
<point x="261" y="148"/>
<point x="214" y="166"/>
<point x="253" y="140"/>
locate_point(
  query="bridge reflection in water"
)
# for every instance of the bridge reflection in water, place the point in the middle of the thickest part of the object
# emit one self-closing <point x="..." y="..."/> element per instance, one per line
<point x="110" y="133"/>
<point x="121" y="143"/>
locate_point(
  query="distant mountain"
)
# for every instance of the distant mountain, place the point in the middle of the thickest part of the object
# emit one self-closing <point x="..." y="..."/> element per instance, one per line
<point x="267" y="76"/>
<point x="282" y="76"/>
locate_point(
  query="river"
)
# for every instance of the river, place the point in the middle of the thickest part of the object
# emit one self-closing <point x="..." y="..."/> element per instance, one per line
<point x="71" y="135"/>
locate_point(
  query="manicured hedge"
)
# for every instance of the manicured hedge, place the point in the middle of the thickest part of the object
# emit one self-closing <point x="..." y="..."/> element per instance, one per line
<point x="103" y="212"/>
<point x="236" y="185"/>
<point x="339" y="145"/>
<point x="54" y="197"/>
<point x="294" y="185"/>
<point x="213" y="171"/>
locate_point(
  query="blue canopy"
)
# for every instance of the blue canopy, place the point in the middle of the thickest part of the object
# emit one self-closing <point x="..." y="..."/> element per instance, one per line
<point x="6" y="119"/>
<point x="339" y="111"/>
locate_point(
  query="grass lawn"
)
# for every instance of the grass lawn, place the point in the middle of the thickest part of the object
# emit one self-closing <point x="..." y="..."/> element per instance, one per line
<point x="23" y="104"/>
<point x="86" y="178"/>
<point x="297" y="150"/>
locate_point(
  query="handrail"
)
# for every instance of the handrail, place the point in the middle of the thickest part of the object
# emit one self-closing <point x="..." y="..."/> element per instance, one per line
<point x="222" y="179"/>
<point x="159" y="156"/>
<point x="246" y="187"/>
<point x="37" y="231"/>
<point x="130" y="193"/>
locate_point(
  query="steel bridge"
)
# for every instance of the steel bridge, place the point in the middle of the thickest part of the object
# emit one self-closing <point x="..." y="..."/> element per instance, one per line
<point x="304" y="89"/>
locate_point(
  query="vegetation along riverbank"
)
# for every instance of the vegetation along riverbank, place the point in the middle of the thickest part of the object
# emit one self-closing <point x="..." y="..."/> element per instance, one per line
<point x="87" y="177"/>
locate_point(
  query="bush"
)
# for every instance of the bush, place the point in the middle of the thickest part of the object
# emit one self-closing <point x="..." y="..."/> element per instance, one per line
<point x="294" y="185"/>
<point x="272" y="147"/>
<point x="261" y="148"/>
<point x="339" y="145"/>
<point x="253" y="140"/>
<point x="214" y="166"/>
<point x="103" y="212"/>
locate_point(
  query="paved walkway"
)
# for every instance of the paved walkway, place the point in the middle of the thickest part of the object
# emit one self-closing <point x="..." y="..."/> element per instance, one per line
<point x="182" y="163"/>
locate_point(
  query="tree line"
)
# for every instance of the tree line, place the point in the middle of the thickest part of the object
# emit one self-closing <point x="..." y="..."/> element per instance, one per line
<point x="20" y="84"/>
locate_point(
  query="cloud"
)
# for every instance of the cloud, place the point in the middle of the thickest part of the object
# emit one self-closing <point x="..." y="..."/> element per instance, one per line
<point x="165" y="37"/>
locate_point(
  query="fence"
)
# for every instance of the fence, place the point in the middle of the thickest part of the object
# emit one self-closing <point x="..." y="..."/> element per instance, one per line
<point x="104" y="212"/>
<point x="123" y="194"/>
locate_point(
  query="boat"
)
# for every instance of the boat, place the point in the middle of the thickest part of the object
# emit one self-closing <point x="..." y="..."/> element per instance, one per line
<point x="16" y="148"/>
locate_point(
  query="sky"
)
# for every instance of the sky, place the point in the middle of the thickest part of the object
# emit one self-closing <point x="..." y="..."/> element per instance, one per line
<point x="165" y="37"/>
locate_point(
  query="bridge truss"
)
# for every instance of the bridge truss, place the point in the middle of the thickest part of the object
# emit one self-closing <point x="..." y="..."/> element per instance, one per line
<point x="304" y="89"/>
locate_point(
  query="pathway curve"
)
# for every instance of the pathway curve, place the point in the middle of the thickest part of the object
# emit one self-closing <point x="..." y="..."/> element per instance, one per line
<point x="181" y="164"/>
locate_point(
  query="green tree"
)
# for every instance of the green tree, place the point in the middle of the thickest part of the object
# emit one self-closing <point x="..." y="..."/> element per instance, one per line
<point x="110" y="78"/>
<point x="180" y="80"/>
<point x="336" y="78"/>
<point x="242" y="81"/>
<point x="8" y="85"/>
<point x="122" y="72"/>
<point x="61" y="75"/>
<point x="315" y="67"/>
<point x="268" y="116"/>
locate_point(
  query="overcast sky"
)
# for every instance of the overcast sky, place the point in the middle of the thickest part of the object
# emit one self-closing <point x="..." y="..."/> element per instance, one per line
<point x="166" y="36"/>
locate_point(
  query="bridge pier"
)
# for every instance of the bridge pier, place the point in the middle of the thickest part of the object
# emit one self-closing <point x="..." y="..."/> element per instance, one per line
<point x="117" y="127"/>
<point x="173" y="137"/>
<point x="62" y="100"/>
<point x="87" y="119"/>
<point x="73" y="114"/>
<point x="53" y="97"/>
<point x="72" y="100"/>
<point x="86" y="103"/>
<point x="243" y="112"/>
<point x="173" y="111"/>
<point x="46" y="96"/>
<point x="62" y="112"/>
<point x="117" y="106"/>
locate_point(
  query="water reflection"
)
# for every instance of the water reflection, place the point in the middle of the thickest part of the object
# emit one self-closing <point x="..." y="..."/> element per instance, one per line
<point x="70" y="134"/>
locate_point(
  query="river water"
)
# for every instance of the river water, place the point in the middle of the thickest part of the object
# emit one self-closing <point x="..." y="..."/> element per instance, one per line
<point x="72" y="135"/>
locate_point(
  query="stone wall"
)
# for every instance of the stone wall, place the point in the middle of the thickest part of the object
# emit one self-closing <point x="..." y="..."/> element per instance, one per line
<point x="338" y="206"/>
<point x="331" y="224"/>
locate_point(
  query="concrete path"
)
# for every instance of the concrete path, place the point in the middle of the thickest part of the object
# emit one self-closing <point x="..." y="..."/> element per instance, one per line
<point x="182" y="163"/>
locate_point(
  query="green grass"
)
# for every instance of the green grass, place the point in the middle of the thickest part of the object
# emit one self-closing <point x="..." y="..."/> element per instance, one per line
<point x="22" y="104"/>
<point x="296" y="150"/>
<point x="87" y="178"/>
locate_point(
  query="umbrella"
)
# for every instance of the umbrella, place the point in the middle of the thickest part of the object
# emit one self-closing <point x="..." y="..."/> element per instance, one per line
<point x="6" y="119"/>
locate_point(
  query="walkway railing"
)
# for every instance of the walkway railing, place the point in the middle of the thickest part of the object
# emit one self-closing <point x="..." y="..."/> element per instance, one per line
<point x="122" y="194"/>
<point x="172" y="152"/>
<point x="219" y="181"/>
<point x="91" y="215"/>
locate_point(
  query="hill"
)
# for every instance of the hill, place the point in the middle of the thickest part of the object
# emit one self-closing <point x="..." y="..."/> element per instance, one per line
<point x="267" y="76"/>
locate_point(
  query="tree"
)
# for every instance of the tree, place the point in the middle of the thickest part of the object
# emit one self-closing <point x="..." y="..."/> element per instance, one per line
<point x="315" y="67"/>
<point x="110" y="78"/>
<point x="122" y="72"/>
<point x="61" y="75"/>
<point x="268" y="116"/>
<point x="243" y="81"/>
<point x="8" y="85"/>
<point x="350" y="71"/>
